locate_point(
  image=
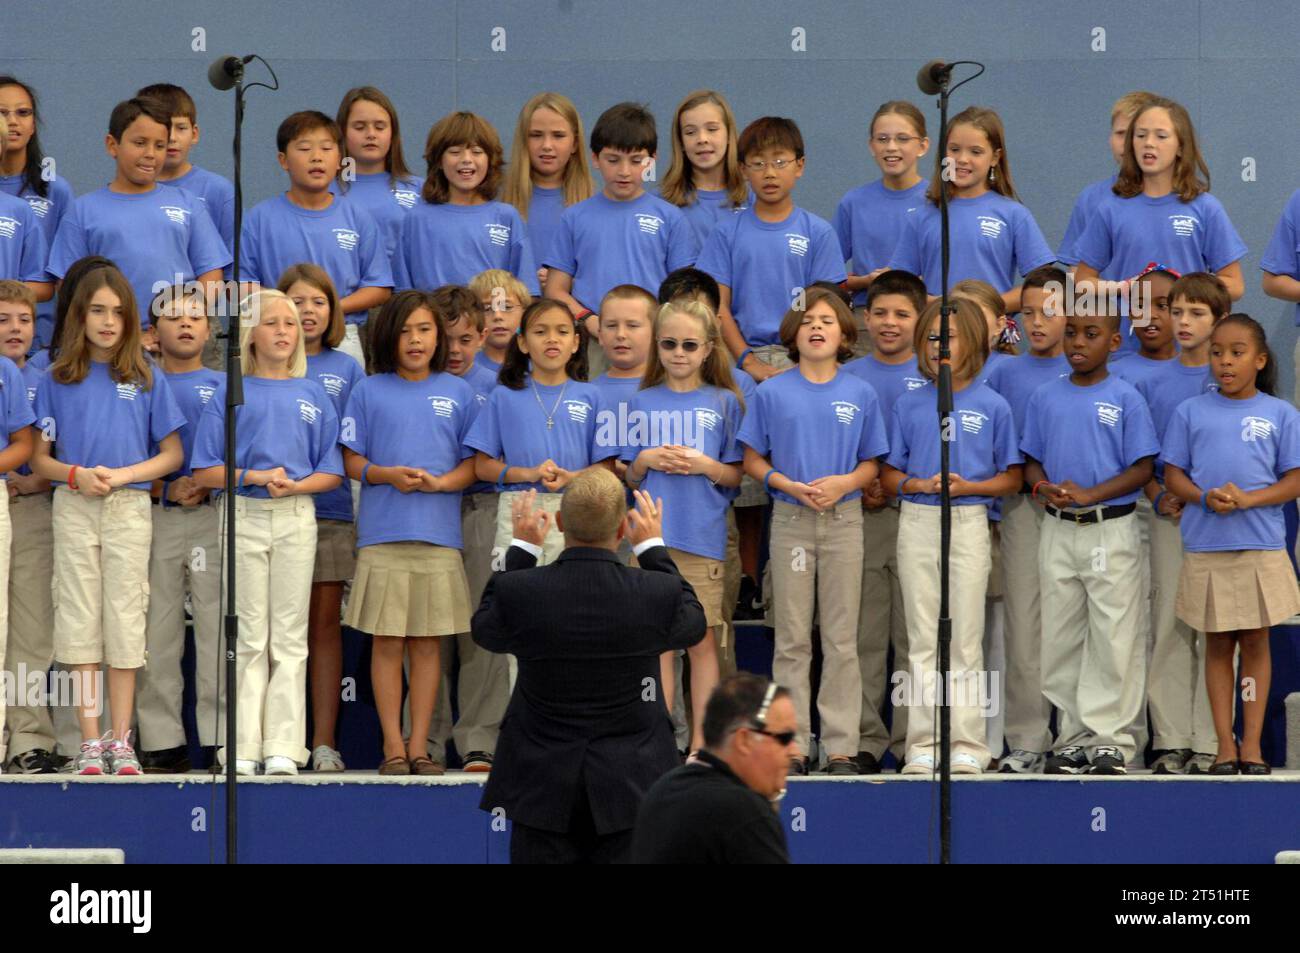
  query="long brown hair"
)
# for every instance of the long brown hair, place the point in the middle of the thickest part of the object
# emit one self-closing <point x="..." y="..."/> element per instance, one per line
<point x="461" y="129"/>
<point x="678" y="186"/>
<point x="394" y="162"/>
<point x="1191" y="174"/>
<point x="578" y="183"/>
<point x="318" y="278"/>
<point x="990" y="123"/>
<point x="128" y="364"/>
<point x="970" y="329"/>
<point x="716" y="369"/>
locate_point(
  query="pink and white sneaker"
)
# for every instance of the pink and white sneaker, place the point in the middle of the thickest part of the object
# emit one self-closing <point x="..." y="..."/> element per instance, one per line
<point x="91" y="760"/>
<point x="121" y="757"/>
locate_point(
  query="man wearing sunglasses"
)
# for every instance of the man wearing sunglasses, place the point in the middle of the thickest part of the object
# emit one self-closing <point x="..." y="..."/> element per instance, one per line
<point x="721" y="808"/>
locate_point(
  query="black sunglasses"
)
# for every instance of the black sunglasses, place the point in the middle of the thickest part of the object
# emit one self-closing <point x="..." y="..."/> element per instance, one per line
<point x="671" y="344"/>
<point x="783" y="738"/>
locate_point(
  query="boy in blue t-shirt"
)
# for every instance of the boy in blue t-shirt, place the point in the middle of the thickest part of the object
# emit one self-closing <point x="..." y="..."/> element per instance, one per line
<point x="623" y="235"/>
<point x="1089" y="448"/>
<point x="764" y="256"/>
<point x="158" y="235"/>
<point x="309" y="223"/>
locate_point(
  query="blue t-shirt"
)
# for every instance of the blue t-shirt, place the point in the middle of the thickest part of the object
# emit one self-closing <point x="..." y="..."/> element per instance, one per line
<point x="766" y="264"/>
<point x="1252" y="443"/>
<point x="395" y="422"/>
<point x="337" y="372"/>
<point x="491" y="366"/>
<point x="1091" y="196"/>
<point x="288" y="423"/>
<point x="22" y="241"/>
<point x="615" y="391"/>
<point x="1017" y="380"/>
<point x="32" y="377"/>
<point x="343" y="239"/>
<point x="1282" y="256"/>
<point x="993" y="238"/>
<point x="708" y="208"/>
<point x="602" y="243"/>
<point x="869" y="221"/>
<point x="708" y="420"/>
<point x="544" y="210"/>
<point x="745" y="384"/>
<point x="49" y="210"/>
<point x="217" y="193"/>
<point x="983" y="439"/>
<point x="1089" y="434"/>
<point x="14" y="403"/>
<point x="512" y="427"/>
<point x="1137" y="367"/>
<point x="889" y="381"/>
<point x="99" y="422"/>
<point x="1163" y="391"/>
<point x="192" y="390"/>
<point x="449" y="244"/>
<point x="157" y="239"/>
<point x="387" y="204"/>
<point x="995" y="360"/>
<point x="808" y="430"/>
<point x="481" y="379"/>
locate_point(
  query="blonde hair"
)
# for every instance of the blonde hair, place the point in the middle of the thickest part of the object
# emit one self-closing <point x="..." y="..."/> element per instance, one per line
<point x="251" y="310"/>
<point x="1130" y="104"/>
<point x="678" y="186"/>
<point x="900" y="107"/>
<point x="986" y="296"/>
<point x="593" y="506"/>
<point x="971" y="331"/>
<point x="716" y="369"/>
<point x="15" y="292"/>
<point x="578" y="183"/>
<point x="485" y="283"/>
<point x="990" y="123"/>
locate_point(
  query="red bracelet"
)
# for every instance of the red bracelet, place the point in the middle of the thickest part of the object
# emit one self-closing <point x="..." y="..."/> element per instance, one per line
<point x="72" y="478"/>
<point x="1033" y="493"/>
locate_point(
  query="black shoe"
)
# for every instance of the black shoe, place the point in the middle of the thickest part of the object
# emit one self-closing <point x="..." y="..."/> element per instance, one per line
<point x="798" y="768"/>
<point x="1071" y="760"/>
<point x="1224" y="767"/>
<point x="1171" y="762"/>
<point x="1108" y="760"/>
<point x="868" y="763"/>
<point x="477" y="762"/>
<point x="842" y="767"/>
<point x="165" y="761"/>
<point x="207" y="757"/>
<point x="749" y="604"/>
<point x="1255" y="768"/>
<point x="37" y="761"/>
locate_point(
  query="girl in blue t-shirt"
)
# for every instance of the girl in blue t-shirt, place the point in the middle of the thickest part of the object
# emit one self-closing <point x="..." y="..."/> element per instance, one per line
<point x="109" y="426"/>
<point x="1003" y="333"/>
<point x="548" y="169"/>
<point x="403" y="440"/>
<point x="704" y="179"/>
<point x="312" y="292"/>
<point x="682" y="448"/>
<point x="42" y="359"/>
<point x="985" y="463"/>
<point x="286" y="452"/>
<point x="1234" y="459"/>
<point x="540" y="427"/>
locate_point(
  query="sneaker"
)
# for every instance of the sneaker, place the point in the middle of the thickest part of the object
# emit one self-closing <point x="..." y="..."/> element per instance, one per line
<point x="37" y="761"/>
<point x="1199" y="763"/>
<point x="326" y="759"/>
<point x="245" y="768"/>
<point x="749" y="604"/>
<point x="120" y="758"/>
<point x="480" y="762"/>
<point x="278" y="764"/>
<point x="1107" y="760"/>
<point x="1172" y="762"/>
<point x="166" y="761"/>
<point x="1069" y="760"/>
<point x="841" y="767"/>
<point x="1021" y="761"/>
<point x="798" y="768"/>
<point x="921" y="764"/>
<point x="965" y="764"/>
<point x="91" y="759"/>
<point x="868" y="763"/>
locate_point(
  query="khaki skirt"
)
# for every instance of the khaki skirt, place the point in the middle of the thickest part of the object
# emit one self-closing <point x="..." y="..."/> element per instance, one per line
<point x="1225" y="592"/>
<point x="409" y="590"/>
<point x="336" y="551"/>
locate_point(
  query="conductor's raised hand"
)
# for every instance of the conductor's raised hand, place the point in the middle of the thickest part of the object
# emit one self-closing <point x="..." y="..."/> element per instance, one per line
<point x="645" y="521"/>
<point x="529" y="525"/>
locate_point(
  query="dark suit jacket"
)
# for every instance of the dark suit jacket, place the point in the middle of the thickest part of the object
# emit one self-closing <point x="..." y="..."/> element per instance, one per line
<point x="587" y="706"/>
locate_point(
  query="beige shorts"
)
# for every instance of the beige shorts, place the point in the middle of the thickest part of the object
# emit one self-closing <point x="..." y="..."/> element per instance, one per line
<point x="705" y="576"/>
<point x="554" y="542"/>
<point x="101" y="577"/>
<point x="336" y="551"/>
<point x="409" y="590"/>
<point x="1226" y="592"/>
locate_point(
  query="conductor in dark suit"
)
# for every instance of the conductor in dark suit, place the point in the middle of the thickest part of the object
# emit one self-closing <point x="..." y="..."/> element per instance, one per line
<point x="586" y="733"/>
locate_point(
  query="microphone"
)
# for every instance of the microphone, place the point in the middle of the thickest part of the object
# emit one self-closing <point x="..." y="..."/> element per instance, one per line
<point x="932" y="76"/>
<point x="225" y="70"/>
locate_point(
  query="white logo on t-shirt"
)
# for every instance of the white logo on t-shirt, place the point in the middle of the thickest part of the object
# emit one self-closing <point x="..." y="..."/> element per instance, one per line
<point x="845" y="412"/>
<point x="175" y="213"/>
<point x="1184" y="225"/>
<point x="405" y="198"/>
<point x="1256" y="428"/>
<point x="8" y="226"/>
<point x="308" y="411"/>
<point x="127" y="391"/>
<point x="915" y="383"/>
<point x="650" y="224"/>
<point x="991" y="226"/>
<point x="798" y="244"/>
<point x="498" y="234"/>
<point x="972" y="421"/>
<point x="481" y="398"/>
<point x="205" y="392"/>
<point x="31" y="395"/>
<point x="706" y="418"/>
<point x="1108" y="414"/>
<point x="443" y="406"/>
<point x="578" y="410"/>
<point x="347" y="238"/>
<point x="40" y="207"/>
<point x="332" y="383"/>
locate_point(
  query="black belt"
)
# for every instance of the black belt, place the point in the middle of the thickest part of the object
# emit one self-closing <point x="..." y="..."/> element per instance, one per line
<point x="1084" y="517"/>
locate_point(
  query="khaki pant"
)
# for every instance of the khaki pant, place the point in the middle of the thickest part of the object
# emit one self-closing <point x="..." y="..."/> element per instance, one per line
<point x="31" y="616"/>
<point x="1026" y="709"/>
<point x="552" y="546"/>
<point x="101" y="577"/>
<point x="483" y="688"/>
<point x="970" y="563"/>
<point x="881" y="623"/>
<point x="726" y="633"/>
<point x="274" y="557"/>
<point x="184" y="559"/>
<point x="816" y="563"/>
<point x="1176" y="693"/>
<point x="1095" y="619"/>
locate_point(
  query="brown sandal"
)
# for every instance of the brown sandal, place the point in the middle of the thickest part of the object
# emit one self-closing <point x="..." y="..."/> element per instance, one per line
<point x="426" y="766"/>
<point x="395" y="766"/>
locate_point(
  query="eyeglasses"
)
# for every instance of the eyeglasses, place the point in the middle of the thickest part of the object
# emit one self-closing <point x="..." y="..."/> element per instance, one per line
<point x="21" y="113"/>
<point x="758" y="165"/>
<point x="783" y="738"/>
<point x="671" y="344"/>
<point x="499" y="308"/>
<point x="902" y="139"/>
